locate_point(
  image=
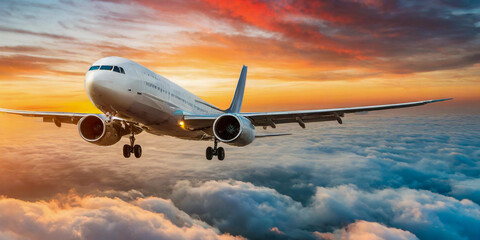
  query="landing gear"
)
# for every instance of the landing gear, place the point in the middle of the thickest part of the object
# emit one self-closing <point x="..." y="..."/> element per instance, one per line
<point x="132" y="148"/>
<point x="219" y="152"/>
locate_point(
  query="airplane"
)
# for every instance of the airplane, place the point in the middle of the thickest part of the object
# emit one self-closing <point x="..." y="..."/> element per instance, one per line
<point x="134" y="99"/>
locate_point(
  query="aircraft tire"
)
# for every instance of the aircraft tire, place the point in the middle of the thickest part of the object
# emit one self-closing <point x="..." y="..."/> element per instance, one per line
<point x="127" y="151"/>
<point x="209" y="153"/>
<point x="137" y="151"/>
<point x="221" y="153"/>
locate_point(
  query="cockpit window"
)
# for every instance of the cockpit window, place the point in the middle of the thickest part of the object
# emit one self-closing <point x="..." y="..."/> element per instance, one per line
<point x="93" y="68"/>
<point x="106" y="67"/>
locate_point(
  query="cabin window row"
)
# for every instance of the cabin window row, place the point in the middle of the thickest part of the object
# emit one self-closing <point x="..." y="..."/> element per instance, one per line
<point x="107" y="68"/>
<point x="156" y="87"/>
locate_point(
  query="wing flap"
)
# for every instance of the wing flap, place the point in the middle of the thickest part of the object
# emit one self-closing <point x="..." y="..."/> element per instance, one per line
<point x="199" y="122"/>
<point x="264" y="135"/>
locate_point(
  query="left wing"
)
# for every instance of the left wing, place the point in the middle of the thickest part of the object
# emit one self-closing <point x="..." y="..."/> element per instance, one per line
<point x="335" y="114"/>
<point x="301" y="117"/>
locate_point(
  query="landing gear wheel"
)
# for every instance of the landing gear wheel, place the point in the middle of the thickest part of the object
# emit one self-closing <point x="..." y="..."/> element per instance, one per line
<point x="209" y="153"/>
<point x="137" y="151"/>
<point x="127" y="151"/>
<point x="221" y="153"/>
<point x="132" y="148"/>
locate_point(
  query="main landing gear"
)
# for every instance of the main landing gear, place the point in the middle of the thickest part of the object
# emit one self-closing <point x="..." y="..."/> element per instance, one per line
<point x="219" y="152"/>
<point x="132" y="148"/>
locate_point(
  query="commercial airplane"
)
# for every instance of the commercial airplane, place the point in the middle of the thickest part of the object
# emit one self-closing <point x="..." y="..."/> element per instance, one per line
<point x="134" y="99"/>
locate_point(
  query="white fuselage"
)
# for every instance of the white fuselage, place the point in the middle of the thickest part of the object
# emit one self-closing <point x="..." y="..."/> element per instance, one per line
<point x="142" y="96"/>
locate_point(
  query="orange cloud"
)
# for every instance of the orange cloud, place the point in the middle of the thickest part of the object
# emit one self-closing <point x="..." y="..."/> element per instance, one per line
<point x="73" y="217"/>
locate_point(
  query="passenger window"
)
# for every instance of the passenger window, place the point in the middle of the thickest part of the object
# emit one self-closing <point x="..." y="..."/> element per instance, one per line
<point x="106" y="67"/>
<point x="121" y="70"/>
<point x="93" y="68"/>
<point x="115" y="69"/>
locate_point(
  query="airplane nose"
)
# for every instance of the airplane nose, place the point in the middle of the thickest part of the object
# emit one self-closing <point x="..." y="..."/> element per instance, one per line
<point x="97" y="88"/>
<point x="104" y="89"/>
<point x="91" y="84"/>
<point x="89" y="79"/>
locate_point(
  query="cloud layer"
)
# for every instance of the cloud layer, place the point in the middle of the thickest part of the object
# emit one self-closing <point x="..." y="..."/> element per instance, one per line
<point x="74" y="217"/>
<point x="242" y="208"/>
<point x="412" y="175"/>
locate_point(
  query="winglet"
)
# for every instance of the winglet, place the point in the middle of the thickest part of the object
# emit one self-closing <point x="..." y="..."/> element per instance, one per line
<point x="440" y="100"/>
<point x="236" y="105"/>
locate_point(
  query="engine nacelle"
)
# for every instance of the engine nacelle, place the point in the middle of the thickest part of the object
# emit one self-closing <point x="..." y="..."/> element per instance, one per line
<point x="234" y="130"/>
<point x="96" y="129"/>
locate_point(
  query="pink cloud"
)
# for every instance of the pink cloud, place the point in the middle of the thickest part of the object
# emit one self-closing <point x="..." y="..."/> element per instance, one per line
<point x="363" y="230"/>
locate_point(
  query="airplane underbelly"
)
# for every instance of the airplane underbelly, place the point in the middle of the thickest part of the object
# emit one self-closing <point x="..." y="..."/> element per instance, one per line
<point x="159" y="119"/>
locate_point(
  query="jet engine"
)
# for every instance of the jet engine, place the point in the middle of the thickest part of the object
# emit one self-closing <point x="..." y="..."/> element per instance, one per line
<point x="96" y="129"/>
<point x="234" y="130"/>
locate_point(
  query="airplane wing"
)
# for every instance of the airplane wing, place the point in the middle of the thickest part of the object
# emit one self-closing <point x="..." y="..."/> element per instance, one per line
<point x="335" y="114"/>
<point x="57" y="117"/>
<point x="63" y="117"/>
<point x="301" y="117"/>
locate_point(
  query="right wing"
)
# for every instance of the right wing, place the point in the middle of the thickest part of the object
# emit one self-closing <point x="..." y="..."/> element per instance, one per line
<point x="66" y="117"/>
<point x="57" y="117"/>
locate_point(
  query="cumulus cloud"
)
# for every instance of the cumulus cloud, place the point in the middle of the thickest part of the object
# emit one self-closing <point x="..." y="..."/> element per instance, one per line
<point x="75" y="217"/>
<point x="363" y="230"/>
<point x="236" y="207"/>
<point x="372" y="152"/>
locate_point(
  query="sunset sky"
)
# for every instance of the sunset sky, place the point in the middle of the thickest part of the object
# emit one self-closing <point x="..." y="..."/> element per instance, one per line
<point x="301" y="54"/>
<point x="404" y="174"/>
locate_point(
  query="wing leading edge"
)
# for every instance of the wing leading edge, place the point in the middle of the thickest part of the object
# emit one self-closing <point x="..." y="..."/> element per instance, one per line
<point x="57" y="117"/>
<point x="62" y="117"/>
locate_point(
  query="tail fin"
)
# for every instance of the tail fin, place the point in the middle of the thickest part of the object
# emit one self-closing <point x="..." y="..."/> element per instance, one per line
<point x="236" y="105"/>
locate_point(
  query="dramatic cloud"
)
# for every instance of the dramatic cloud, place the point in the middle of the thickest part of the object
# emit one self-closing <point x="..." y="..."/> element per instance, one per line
<point x="26" y="32"/>
<point x="400" y="174"/>
<point x="238" y="207"/>
<point x="12" y="65"/>
<point x="362" y="230"/>
<point x="372" y="152"/>
<point x="414" y="173"/>
<point x="74" y="217"/>
<point x="372" y="49"/>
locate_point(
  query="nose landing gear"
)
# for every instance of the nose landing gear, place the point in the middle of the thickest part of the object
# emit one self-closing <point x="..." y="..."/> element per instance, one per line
<point x="219" y="152"/>
<point x="132" y="148"/>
